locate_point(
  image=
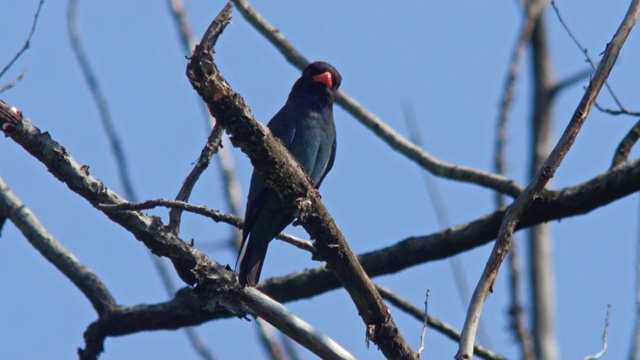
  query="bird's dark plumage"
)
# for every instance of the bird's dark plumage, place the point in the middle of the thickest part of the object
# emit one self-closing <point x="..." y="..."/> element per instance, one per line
<point x="305" y="126"/>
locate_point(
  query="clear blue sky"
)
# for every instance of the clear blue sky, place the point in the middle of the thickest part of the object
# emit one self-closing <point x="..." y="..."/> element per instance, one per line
<point x="448" y="59"/>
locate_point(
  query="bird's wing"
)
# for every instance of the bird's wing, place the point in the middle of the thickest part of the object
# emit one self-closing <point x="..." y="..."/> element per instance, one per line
<point x="332" y="158"/>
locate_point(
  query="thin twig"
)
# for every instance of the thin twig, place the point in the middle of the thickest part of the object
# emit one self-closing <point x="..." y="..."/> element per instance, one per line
<point x="210" y="148"/>
<point x="522" y="202"/>
<point x="617" y="112"/>
<point x="14" y="82"/>
<point x="593" y="66"/>
<point x="436" y="324"/>
<point x="233" y="191"/>
<point x="51" y="249"/>
<point x="213" y="214"/>
<point x="605" y="337"/>
<point x="424" y="323"/>
<point x="375" y="124"/>
<point x="624" y="148"/>
<point x="27" y="42"/>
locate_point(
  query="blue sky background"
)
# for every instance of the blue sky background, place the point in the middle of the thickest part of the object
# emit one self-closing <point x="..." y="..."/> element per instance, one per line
<point x="448" y="59"/>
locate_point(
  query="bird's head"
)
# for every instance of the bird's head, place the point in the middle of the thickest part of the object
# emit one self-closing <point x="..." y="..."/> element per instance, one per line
<point x="318" y="83"/>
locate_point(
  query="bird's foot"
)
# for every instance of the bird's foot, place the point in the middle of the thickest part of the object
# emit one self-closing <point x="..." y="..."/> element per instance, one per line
<point x="310" y="180"/>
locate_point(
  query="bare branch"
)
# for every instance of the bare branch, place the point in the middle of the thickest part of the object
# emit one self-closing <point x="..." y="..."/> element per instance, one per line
<point x="593" y="66"/>
<point x="436" y="324"/>
<point x="624" y="148"/>
<point x="27" y="42"/>
<point x="51" y="249"/>
<point x="292" y="326"/>
<point x="424" y="325"/>
<point x="623" y="111"/>
<point x="210" y="148"/>
<point x="545" y="173"/>
<point x="605" y="337"/>
<point x="214" y="215"/>
<point x="375" y="124"/>
<point x="14" y="82"/>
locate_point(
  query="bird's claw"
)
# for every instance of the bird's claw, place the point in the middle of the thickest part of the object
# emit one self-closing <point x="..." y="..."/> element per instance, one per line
<point x="310" y="180"/>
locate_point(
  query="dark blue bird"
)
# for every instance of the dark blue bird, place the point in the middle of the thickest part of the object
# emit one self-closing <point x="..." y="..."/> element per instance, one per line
<point x="305" y="126"/>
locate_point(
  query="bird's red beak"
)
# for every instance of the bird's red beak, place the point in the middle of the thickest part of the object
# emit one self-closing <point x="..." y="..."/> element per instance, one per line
<point x="324" y="78"/>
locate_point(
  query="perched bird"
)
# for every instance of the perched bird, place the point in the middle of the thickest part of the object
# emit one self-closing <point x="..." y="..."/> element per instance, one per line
<point x="305" y="126"/>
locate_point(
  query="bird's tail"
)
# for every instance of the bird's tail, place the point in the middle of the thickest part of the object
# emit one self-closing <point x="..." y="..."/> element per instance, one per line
<point x="251" y="258"/>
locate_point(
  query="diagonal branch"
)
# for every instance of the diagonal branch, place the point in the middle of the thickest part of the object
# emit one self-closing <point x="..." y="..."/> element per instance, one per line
<point x="51" y="249"/>
<point x="282" y="173"/>
<point x="27" y="42"/>
<point x="14" y="82"/>
<point x="584" y="50"/>
<point x="546" y="172"/>
<point x="624" y="148"/>
<point x="210" y="148"/>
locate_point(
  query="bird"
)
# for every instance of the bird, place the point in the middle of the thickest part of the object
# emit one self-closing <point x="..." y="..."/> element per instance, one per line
<point x="306" y="128"/>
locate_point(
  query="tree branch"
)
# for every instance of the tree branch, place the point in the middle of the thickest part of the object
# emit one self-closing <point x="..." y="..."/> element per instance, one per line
<point x="27" y="42"/>
<point x="26" y="221"/>
<point x="624" y="148"/>
<point x="210" y="148"/>
<point x="524" y="200"/>
<point x="292" y="326"/>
